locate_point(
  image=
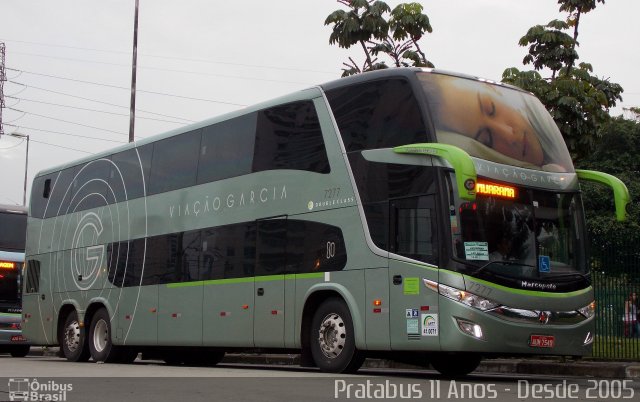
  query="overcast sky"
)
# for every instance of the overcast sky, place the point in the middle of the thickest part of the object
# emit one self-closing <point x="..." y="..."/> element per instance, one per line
<point x="69" y="62"/>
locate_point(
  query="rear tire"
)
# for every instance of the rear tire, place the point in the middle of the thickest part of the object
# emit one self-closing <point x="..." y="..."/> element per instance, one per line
<point x="100" y="344"/>
<point x="20" y="351"/>
<point x="332" y="338"/>
<point x="454" y="365"/>
<point x="73" y="342"/>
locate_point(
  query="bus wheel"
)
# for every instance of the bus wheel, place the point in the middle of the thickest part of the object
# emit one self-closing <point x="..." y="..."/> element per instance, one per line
<point x="333" y="344"/>
<point x="100" y="345"/>
<point x="454" y="365"/>
<point x="72" y="342"/>
<point x="20" y="351"/>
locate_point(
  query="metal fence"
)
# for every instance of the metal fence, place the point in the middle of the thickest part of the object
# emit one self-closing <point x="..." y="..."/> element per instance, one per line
<point x="615" y="270"/>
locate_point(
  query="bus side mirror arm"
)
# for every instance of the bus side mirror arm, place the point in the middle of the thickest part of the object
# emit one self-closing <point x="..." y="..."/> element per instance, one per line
<point x="462" y="163"/>
<point x="620" y="192"/>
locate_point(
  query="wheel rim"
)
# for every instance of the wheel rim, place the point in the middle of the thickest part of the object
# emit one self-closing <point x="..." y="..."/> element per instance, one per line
<point x="100" y="336"/>
<point x="332" y="335"/>
<point x="72" y="336"/>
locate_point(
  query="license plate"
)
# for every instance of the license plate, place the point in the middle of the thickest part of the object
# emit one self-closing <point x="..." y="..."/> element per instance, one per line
<point x="542" y="341"/>
<point x="18" y="338"/>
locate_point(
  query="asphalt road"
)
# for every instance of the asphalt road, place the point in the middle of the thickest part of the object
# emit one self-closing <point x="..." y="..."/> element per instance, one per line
<point x="51" y="378"/>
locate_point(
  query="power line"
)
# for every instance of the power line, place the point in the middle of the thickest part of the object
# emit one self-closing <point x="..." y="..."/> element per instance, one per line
<point x="60" y="146"/>
<point x="180" y="58"/>
<point x="160" y="69"/>
<point x="125" y="88"/>
<point x="96" y="101"/>
<point x="67" y="121"/>
<point x="91" y="110"/>
<point x="67" y="134"/>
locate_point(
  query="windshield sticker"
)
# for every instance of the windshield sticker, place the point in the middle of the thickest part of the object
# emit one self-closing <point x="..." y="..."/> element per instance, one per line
<point x="429" y="324"/>
<point x="476" y="250"/>
<point x="411" y="286"/>
<point x="544" y="263"/>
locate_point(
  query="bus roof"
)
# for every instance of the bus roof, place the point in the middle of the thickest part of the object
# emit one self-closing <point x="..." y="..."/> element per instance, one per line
<point x="298" y="95"/>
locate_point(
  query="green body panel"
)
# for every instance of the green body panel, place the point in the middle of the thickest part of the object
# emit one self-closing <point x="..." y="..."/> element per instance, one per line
<point x="507" y="337"/>
<point x="410" y="302"/>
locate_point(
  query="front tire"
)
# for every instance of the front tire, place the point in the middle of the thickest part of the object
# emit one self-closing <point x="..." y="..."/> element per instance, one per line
<point x="333" y="344"/>
<point x="73" y="341"/>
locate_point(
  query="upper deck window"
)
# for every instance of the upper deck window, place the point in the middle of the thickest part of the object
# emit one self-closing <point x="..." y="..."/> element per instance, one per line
<point x="495" y="123"/>
<point x="378" y="114"/>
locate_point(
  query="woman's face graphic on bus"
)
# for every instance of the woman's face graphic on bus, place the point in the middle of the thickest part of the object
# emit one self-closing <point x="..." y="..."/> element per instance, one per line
<point x="482" y="113"/>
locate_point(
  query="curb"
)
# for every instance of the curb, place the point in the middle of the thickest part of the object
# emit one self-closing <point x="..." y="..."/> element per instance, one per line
<point x="557" y="367"/>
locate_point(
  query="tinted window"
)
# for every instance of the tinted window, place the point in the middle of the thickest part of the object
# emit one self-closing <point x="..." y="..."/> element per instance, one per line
<point x="272" y="246"/>
<point x="9" y="287"/>
<point x="377" y="114"/>
<point x="227" y="149"/>
<point x="172" y="258"/>
<point x="413" y="228"/>
<point x="175" y="162"/>
<point x="33" y="276"/>
<point x="125" y="262"/>
<point x="289" y="137"/>
<point x="314" y="247"/>
<point x="13" y="231"/>
<point x="127" y="169"/>
<point x="380" y="182"/>
<point x="39" y="195"/>
<point x="90" y="187"/>
<point x="229" y="251"/>
<point x="61" y="191"/>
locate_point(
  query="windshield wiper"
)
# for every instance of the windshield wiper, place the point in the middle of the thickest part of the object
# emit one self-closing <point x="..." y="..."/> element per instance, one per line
<point x="503" y="262"/>
<point x="551" y="276"/>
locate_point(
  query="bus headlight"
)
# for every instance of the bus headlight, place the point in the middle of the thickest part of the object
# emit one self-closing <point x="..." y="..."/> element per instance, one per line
<point x="467" y="298"/>
<point x="589" y="310"/>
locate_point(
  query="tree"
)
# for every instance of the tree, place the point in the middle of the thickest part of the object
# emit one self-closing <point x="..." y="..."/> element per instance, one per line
<point x="578" y="101"/>
<point x="616" y="153"/>
<point x="366" y="24"/>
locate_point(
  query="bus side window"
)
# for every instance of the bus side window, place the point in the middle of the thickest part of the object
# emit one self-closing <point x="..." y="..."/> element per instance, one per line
<point x="378" y="114"/>
<point x="173" y="165"/>
<point x="289" y="137"/>
<point x="47" y="188"/>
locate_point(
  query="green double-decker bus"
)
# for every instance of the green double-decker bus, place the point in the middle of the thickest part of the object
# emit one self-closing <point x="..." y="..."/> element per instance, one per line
<point x="415" y="214"/>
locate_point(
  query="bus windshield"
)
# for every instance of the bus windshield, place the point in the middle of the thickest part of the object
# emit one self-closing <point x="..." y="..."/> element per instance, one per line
<point x="13" y="227"/>
<point x="519" y="233"/>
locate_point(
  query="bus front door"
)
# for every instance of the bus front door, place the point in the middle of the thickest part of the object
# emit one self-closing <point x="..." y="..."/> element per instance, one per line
<point x="414" y="319"/>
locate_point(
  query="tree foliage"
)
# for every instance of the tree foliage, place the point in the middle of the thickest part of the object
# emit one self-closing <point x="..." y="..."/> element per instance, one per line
<point x="578" y="101"/>
<point x="366" y="23"/>
<point x="616" y="153"/>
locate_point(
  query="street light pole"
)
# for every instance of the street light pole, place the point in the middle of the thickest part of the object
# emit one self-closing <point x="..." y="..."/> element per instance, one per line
<point x="26" y="166"/>
<point x="134" y="65"/>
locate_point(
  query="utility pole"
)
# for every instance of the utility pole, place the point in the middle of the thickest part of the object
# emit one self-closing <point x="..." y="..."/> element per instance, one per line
<point x="3" y="78"/>
<point x="132" y="112"/>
